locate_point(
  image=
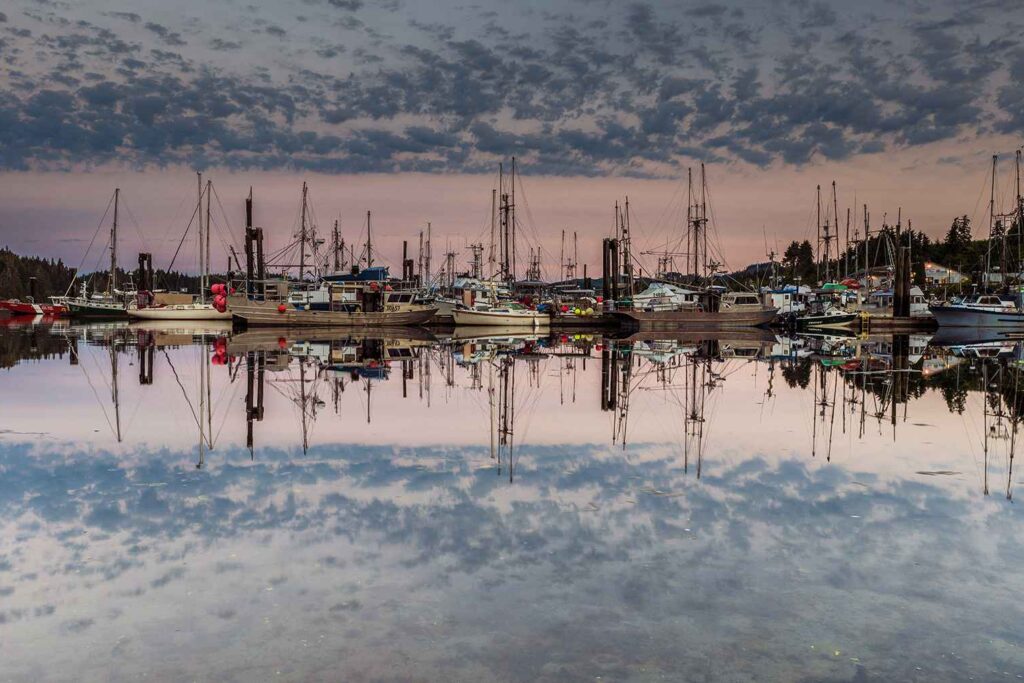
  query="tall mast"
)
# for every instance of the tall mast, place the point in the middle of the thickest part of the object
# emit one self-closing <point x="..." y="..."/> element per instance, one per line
<point x="626" y="256"/>
<point x="335" y="247"/>
<point x="112" y="280"/>
<point x="302" y="237"/>
<point x="1020" y="219"/>
<point x="691" y="243"/>
<point x="846" y="251"/>
<point x="704" y="218"/>
<point x="491" y="260"/>
<point x="206" y="260"/>
<point x="991" y="222"/>
<point x="369" y="242"/>
<point x="817" y="247"/>
<point x="426" y="257"/>
<point x="867" y="244"/>
<point x="835" y="221"/>
<point x="503" y="221"/>
<point x="512" y="219"/>
<point x="199" y="218"/>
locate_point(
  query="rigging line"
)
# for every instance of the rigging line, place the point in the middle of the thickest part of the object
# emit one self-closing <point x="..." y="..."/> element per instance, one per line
<point x="229" y="242"/>
<point x="91" y="242"/>
<point x="183" y="391"/>
<point x="99" y="402"/>
<point x="184" y="235"/>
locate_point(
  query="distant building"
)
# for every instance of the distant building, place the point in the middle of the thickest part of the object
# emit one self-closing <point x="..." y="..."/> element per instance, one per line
<point x="935" y="274"/>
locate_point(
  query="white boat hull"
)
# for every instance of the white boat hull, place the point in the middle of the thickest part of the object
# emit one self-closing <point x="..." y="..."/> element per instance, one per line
<point x="180" y="312"/>
<point x="518" y="319"/>
<point x="961" y="316"/>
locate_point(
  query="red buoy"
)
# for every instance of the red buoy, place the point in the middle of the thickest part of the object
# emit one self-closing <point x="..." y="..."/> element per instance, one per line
<point x="281" y="308"/>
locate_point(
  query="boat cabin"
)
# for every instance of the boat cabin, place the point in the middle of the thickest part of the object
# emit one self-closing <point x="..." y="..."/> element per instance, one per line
<point x="743" y="300"/>
<point x="882" y="300"/>
<point x="661" y="296"/>
<point x="790" y="299"/>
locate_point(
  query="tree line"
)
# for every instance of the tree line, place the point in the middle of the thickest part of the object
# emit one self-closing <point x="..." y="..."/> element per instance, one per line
<point x="53" y="277"/>
<point x="957" y="250"/>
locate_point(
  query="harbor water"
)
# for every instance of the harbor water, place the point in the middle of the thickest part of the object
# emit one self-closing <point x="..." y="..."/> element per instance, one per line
<point x="189" y="503"/>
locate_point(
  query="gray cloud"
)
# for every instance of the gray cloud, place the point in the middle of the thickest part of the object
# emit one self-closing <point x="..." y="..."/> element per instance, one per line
<point x="636" y="89"/>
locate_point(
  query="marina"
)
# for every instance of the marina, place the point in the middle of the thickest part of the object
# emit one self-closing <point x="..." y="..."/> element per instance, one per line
<point x="490" y="342"/>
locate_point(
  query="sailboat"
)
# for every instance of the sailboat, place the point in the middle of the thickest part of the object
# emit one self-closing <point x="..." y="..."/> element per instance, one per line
<point x="147" y="308"/>
<point x="110" y="304"/>
<point x="504" y="313"/>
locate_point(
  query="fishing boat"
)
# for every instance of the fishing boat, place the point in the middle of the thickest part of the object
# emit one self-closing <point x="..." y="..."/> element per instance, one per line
<point x="696" y="319"/>
<point x="103" y="306"/>
<point x="663" y="306"/>
<point x="350" y="304"/>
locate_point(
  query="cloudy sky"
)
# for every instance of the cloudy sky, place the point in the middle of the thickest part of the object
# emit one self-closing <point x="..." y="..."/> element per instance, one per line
<point x="407" y="107"/>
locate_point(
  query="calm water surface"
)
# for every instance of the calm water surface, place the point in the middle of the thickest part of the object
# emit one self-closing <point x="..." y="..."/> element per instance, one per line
<point x="506" y="509"/>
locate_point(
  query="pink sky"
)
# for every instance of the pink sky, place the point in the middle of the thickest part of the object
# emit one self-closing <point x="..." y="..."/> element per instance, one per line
<point x="56" y="214"/>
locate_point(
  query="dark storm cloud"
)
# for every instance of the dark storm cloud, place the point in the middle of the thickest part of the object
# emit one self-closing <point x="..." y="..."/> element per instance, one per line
<point x="608" y="89"/>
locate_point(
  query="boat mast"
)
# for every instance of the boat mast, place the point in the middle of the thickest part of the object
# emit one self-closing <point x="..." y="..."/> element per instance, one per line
<point x="112" y="280"/>
<point x="335" y="242"/>
<point x="1020" y="216"/>
<point x="369" y="242"/>
<point x="302" y="237"/>
<point x="817" y="269"/>
<point x="846" y="251"/>
<point x="691" y="244"/>
<point x="199" y="218"/>
<point x="835" y="221"/>
<point x="491" y="260"/>
<point x="206" y="269"/>
<point x="626" y="256"/>
<point x="512" y="220"/>
<point x="503" y="222"/>
<point x="991" y="222"/>
<point x="867" y="245"/>
<point x="704" y="219"/>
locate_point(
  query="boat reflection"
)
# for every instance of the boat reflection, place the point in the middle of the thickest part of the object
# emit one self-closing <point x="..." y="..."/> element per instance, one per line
<point x="859" y="388"/>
